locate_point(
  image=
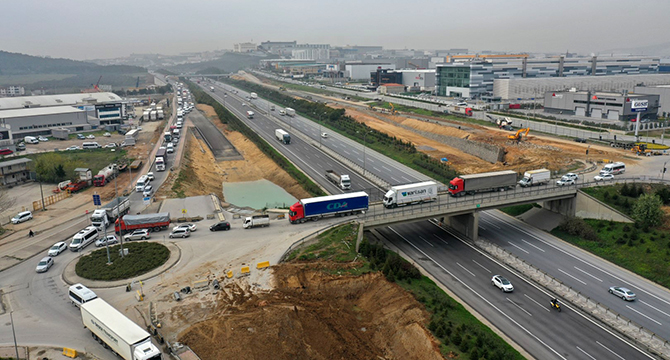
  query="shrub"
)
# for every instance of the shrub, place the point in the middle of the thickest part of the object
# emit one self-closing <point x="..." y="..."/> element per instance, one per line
<point x="578" y="227"/>
<point x="142" y="257"/>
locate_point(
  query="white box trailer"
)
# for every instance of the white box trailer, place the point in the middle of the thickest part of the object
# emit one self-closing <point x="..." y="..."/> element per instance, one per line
<point x="110" y="327"/>
<point x="535" y="177"/>
<point x="283" y="136"/>
<point x="290" y="112"/>
<point x="411" y="194"/>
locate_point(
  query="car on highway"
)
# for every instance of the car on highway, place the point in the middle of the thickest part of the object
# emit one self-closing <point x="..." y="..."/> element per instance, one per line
<point x="150" y="176"/>
<point x="191" y="227"/>
<point x="21" y="217"/>
<point x="604" y="177"/>
<point x="148" y="190"/>
<point x="565" y="182"/>
<point x="57" y="248"/>
<point x="502" y="283"/>
<point x="175" y="140"/>
<point x="73" y="147"/>
<point x="44" y="264"/>
<point x="324" y="135"/>
<point x="42" y="139"/>
<point x="623" y="293"/>
<point x="170" y="148"/>
<point x="223" y="225"/>
<point x="181" y="232"/>
<point x="141" y="234"/>
<point x="571" y="176"/>
<point x="109" y="240"/>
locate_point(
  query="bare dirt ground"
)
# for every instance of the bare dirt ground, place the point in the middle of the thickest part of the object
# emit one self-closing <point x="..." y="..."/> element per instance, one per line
<point x="207" y="174"/>
<point x="532" y="152"/>
<point x="313" y="315"/>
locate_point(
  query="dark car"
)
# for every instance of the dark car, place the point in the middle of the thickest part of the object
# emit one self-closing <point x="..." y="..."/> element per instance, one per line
<point x="223" y="225"/>
<point x="580" y="140"/>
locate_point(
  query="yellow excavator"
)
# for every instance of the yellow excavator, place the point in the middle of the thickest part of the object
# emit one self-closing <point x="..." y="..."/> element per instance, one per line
<point x="521" y="133"/>
<point x="393" y="111"/>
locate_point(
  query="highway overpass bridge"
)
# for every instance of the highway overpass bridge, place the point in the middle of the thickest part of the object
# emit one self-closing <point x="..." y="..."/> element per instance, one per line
<point x="462" y="214"/>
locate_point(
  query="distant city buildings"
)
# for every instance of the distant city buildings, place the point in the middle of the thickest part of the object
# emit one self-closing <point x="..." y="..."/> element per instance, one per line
<point x="12" y="91"/>
<point x="244" y="47"/>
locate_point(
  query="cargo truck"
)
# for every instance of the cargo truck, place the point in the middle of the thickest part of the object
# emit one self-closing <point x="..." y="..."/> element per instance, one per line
<point x="535" y="177"/>
<point x="108" y="214"/>
<point x="283" y="136"/>
<point x="83" y="180"/>
<point x="114" y="330"/>
<point x="135" y="165"/>
<point x="417" y="193"/>
<point x="211" y="88"/>
<point x="161" y="157"/>
<point x="256" y="221"/>
<point x="290" y="112"/>
<point x="106" y="175"/>
<point x="337" y="205"/>
<point x="155" y="222"/>
<point x="460" y="110"/>
<point x="167" y="137"/>
<point x="250" y="114"/>
<point x="342" y="181"/>
<point x="474" y="183"/>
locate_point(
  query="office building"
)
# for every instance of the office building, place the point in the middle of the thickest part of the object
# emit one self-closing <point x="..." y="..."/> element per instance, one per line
<point x="600" y="105"/>
<point x="14" y="172"/>
<point x="663" y="91"/>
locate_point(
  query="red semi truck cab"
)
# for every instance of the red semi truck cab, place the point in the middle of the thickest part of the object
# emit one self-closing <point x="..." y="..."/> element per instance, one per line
<point x="456" y="186"/>
<point x="99" y="180"/>
<point x="468" y="111"/>
<point x="296" y="212"/>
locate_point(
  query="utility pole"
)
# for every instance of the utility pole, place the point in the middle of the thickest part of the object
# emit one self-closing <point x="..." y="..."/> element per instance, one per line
<point x="16" y="348"/>
<point x="663" y="171"/>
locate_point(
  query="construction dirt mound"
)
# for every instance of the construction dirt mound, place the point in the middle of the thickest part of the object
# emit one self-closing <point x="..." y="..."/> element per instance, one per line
<point x="314" y="315"/>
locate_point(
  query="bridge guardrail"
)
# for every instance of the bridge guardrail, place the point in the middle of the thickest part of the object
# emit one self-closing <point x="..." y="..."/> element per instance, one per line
<point x="644" y="337"/>
<point x="446" y="204"/>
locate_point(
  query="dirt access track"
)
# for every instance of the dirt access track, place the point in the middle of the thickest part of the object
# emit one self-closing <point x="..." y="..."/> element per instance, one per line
<point x="313" y="315"/>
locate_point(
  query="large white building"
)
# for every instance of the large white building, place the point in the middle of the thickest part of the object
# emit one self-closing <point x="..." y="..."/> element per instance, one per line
<point x="361" y="71"/>
<point x="12" y="91"/>
<point x="244" y="47"/>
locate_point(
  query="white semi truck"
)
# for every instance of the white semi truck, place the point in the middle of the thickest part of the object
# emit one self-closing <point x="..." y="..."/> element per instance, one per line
<point x="109" y="213"/>
<point x="290" y="112"/>
<point x="250" y="114"/>
<point x="342" y="181"/>
<point x="283" y="136"/>
<point x="113" y="329"/>
<point x="410" y="194"/>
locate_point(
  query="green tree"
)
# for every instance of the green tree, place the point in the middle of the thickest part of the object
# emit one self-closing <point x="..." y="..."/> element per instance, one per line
<point x="647" y="210"/>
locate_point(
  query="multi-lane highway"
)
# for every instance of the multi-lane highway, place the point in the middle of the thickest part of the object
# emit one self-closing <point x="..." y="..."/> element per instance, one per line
<point x="495" y="228"/>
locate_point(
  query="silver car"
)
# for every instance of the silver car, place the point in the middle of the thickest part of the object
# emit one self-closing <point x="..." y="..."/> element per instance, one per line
<point x="44" y="264"/>
<point x="623" y="293"/>
<point x="141" y="234"/>
<point x="502" y="283"/>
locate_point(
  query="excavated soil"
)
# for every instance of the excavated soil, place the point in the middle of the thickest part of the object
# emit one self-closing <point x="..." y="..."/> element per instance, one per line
<point x="206" y="175"/>
<point x="533" y="152"/>
<point x="314" y="315"/>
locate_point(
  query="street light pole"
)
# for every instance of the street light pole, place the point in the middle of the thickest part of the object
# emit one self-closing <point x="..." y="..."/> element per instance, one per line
<point x="663" y="171"/>
<point x="16" y="348"/>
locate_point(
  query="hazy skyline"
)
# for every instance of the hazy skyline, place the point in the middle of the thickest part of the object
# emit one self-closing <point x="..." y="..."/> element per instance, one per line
<point x="90" y="29"/>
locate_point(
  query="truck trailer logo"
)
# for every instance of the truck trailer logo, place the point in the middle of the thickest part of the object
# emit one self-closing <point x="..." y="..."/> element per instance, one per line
<point x="337" y="206"/>
<point x="110" y="336"/>
<point x="414" y="192"/>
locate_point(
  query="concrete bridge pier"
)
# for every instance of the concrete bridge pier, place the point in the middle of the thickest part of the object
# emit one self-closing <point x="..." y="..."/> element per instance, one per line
<point x="466" y="224"/>
<point x="566" y="207"/>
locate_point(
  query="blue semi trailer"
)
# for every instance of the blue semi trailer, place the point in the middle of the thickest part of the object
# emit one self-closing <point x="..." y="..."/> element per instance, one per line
<point x="318" y="207"/>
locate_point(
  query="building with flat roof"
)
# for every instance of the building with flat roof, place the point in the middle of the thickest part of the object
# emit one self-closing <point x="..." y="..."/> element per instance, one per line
<point x="57" y="100"/>
<point x="40" y="121"/>
<point x="473" y="76"/>
<point x="361" y="71"/>
<point x="244" y="47"/>
<point x="13" y="172"/>
<point x="12" y="91"/>
<point x="391" y="89"/>
<point x="520" y="88"/>
<point x="414" y="80"/>
<point x="601" y="105"/>
<point x="663" y="91"/>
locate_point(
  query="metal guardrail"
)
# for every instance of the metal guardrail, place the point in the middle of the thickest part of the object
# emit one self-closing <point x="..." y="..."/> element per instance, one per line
<point x="482" y="201"/>
<point x="644" y="337"/>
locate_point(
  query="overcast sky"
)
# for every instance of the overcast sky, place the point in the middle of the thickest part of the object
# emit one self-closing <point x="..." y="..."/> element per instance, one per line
<point x="105" y="29"/>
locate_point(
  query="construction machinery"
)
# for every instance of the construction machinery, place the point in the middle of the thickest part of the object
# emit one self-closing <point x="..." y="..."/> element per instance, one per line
<point x="393" y="110"/>
<point x="642" y="149"/>
<point x="520" y="134"/>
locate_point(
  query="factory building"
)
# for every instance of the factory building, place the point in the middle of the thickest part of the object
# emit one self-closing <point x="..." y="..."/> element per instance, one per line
<point x="600" y="105"/>
<point x="413" y="80"/>
<point x="40" y="121"/>
<point x="473" y="76"/>
<point x="663" y="91"/>
<point x="361" y="71"/>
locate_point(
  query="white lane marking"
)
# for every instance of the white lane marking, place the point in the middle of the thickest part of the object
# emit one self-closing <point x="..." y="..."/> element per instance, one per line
<point x="394" y="179"/>
<point x="490" y="223"/>
<point x="537" y="247"/>
<point x="571" y="276"/>
<point x="610" y="350"/>
<point x="374" y="167"/>
<point x="518" y="247"/>
<point x="348" y="153"/>
<point x="481" y="266"/>
<point x="519" y="306"/>
<point x="578" y="258"/>
<point x="421" y="237"/>
<point x="588" y="274"/>
<point x="535" y="301"/>
<point x="479" y="295"/>
<point x="585" y="353"/>
<point x="441" y="239"/>
<point x="463" y="267"/>
<point x="406" y="179"/>
<point x="481" y="227"/>
<point x="385" y="168"/>
<point x="648" y="317"/>
<point x="359" y="159"/>
<point x="655" y="308"/>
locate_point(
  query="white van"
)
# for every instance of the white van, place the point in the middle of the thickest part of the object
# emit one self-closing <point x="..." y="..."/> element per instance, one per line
<point x="80" y="294"/>
<point x="175" y="133"/>
<point x="30" y="140"/>
<point x="90" y="145"/>
<point x="141" y="183"/>
<point x="21" y="217"/>
<point x="83" y="238"/>
<point x="614" y="169"/>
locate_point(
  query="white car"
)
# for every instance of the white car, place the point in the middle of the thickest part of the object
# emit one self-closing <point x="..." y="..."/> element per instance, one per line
<point x="141" y="234"/>
<point x="148" y="190"/>
<point x="91" y="136"/>
<point x="42" y="139"/>
<point x="180" y="232"/>
<point x="106" y="134"/>
<point x="73" y="147"/>
<point x="564" y="182"/>
<point x="324" y="135"/>
<point x="57" y="248"/>
<point x="191" y="227"/>
<point x="110" y="145"/>
<point x="502" y="283"/>
<point x="111" y="239"/>
<point x="44" y="264"/>
<point x="603" y="177"/>
<point x="571" y="176"/>
<point x="150" y="176"/>
<point x="623" y="293"/>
